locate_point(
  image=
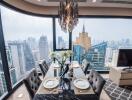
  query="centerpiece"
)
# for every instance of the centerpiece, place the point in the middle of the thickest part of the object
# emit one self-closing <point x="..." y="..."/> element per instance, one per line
<point x="62" y="57"/>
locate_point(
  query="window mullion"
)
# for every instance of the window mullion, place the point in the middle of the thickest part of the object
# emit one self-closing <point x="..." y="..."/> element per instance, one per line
<point x="4" y="58"/>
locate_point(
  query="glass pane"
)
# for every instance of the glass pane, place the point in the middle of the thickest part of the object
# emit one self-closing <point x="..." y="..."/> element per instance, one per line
<point x="97" y="40"/>
<point x="28" y="39"/>
<point x="3" y="88"/>
<point x="62" y="38"/>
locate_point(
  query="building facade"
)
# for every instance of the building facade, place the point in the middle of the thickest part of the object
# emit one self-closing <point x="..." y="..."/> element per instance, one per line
<point x="28" y="56"/>
<point x="78" y="53"/>
<point x="3" y="88"/>
<point x="83" y="40"/>
<point x="96" y="56"/>
<point x="61" y="43"/>
<point x="18" y="59"/>
<point x="43" y="48"/>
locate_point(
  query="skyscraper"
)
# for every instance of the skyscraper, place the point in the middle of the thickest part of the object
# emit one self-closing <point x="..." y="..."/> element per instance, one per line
<point x="78" y="53"/>
<point x="43" y="48"/>
<point x="3" y="88"/>
<point x="96" y="55"/>
<point x="28" y="57"/>
<point x="61" y="43"/>
<point x="32" y="43"/>
<point x="13" y="76"/>
<point x="84" y="40"/>
<point x="10" y="65"/>
<point x="18" y="59"/>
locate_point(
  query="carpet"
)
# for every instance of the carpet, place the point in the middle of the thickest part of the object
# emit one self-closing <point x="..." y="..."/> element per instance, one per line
<point x="117" y="93"/>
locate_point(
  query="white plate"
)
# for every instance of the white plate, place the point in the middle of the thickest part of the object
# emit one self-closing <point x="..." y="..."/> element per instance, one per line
<point x="51" y="83"/>
<point x="81" y="83"/>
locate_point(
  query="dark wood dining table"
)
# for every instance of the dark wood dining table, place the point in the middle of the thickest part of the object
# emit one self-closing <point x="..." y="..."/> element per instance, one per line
<point x="73" y="94"/>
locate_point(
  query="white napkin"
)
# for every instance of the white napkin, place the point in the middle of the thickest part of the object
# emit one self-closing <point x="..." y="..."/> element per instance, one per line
<point x="50" y="83"/>
<point x="81" y="83"/>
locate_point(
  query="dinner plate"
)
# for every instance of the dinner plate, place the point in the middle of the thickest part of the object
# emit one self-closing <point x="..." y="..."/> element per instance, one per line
<point x="81" y="83"/>
<point x="51" y="83"/>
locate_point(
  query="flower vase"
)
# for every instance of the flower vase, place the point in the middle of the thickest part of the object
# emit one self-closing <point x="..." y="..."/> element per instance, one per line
<point x="61" y="72"/>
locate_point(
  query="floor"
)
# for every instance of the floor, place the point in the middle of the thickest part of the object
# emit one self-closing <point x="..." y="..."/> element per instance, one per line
<point x="22" y="94"/>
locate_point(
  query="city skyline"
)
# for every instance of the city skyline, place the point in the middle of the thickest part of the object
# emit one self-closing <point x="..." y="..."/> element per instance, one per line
<point x="98" y="28"/>
<point x="29" y="40"/>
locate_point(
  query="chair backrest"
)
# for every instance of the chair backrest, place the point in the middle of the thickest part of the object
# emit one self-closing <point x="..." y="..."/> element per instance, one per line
<point x="96" y="81"/>
<point x="85" y="65"/>
<point x="42" y="69"/>
<point x="32" y="82"/>
<point x="43" y="66"/>
<point x="86" y="68"/>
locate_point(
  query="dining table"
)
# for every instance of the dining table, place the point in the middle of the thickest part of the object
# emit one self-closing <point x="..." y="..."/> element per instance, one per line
<point x="74" y="93"/>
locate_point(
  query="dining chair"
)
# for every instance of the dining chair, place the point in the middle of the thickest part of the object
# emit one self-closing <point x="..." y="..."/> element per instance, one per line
<point x="97" y="82"/>
<point x="32" y="82"/>
<point x="43" y="66"/>
<point x="85" y="66"/>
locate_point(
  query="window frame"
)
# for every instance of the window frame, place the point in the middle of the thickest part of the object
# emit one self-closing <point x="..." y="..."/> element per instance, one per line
<point x="4" y="58"/>
<point x="55" y="41"/>
<point x="10" y="88"/>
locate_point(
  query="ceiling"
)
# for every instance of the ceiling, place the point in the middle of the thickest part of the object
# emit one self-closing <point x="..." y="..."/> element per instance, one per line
<point x="85" y="3"/>
<point x="86" y="7"/>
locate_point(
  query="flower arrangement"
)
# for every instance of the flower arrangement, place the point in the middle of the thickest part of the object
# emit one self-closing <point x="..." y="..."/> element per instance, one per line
<point x="61" y="57"/>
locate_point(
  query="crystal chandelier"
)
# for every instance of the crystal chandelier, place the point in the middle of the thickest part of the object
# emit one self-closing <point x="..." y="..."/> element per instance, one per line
<point x="68" y="14"/>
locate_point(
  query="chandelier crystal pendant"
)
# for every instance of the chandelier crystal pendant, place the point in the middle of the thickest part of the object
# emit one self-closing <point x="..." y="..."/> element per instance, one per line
<point x="68" y="14"/>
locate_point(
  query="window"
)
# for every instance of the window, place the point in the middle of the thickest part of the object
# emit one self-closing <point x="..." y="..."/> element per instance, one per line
<point x="28" y="39"/>
<point x="62" y="38"/>
<point x="3" y="88"/>
<point x="96" y="39"/>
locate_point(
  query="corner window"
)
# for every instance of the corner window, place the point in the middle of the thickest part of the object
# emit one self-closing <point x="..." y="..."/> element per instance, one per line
<point x="28" y="39"/>
<point x="97" y="39"/>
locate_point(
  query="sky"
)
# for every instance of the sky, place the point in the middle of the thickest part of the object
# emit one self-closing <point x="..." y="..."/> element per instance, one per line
<point x="17" y="26"/>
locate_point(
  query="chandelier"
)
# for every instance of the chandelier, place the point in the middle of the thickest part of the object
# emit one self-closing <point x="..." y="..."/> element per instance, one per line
<point x="68" y="14"/>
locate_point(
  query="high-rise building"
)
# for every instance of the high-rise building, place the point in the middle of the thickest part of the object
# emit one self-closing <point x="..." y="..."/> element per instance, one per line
<point x="28" y="57"/>
<point x="43" y="48"/>
<point x="78" y="53"/>
<point x="108" y="56"/>
<point x="18" y="59"/>
<point x="10" y="65"/>
<point x="32" y="43"/>
<point x="21" y="58"/>
<point x="13" y="75"/>
<point x="96" y="56"/>
<point x="3" y="88"/>
<point x="61" y="43"/>
<point x="84" y="40"/>
<point x="36" y="56"/>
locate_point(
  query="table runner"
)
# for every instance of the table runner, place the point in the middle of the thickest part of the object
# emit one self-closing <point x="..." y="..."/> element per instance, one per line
<point x="73" y="94"/>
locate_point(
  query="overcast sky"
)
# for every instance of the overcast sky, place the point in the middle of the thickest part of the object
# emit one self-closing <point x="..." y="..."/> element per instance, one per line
<point x="17" y="26"/>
